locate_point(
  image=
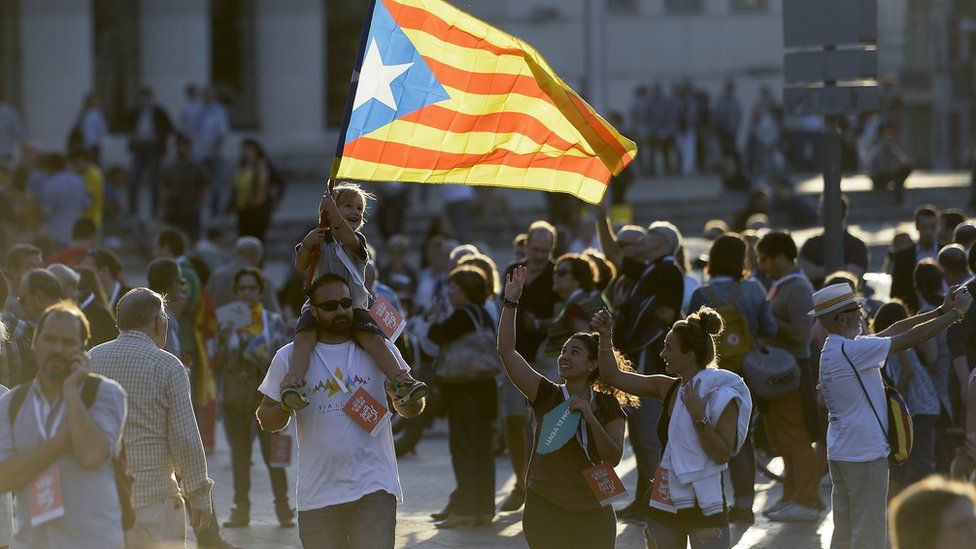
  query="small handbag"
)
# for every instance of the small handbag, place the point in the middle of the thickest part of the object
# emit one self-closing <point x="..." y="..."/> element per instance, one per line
<point x="899" y="433"/>
<point x="771" y="372"/>
<point x="471" y="357"/>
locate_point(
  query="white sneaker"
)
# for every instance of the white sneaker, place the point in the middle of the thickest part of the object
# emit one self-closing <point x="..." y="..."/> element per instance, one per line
<point x="783" y="502"/>
<point x="795" y="513"/>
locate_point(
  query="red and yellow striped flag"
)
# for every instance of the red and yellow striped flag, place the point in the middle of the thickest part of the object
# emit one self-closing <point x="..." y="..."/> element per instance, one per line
<point x="441" y="97"/>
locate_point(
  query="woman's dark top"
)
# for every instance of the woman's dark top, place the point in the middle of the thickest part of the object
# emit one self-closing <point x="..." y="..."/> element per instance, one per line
<point x="558" y="476"/>
<point x="686" y="518"/>
<point x="458" y="324"/>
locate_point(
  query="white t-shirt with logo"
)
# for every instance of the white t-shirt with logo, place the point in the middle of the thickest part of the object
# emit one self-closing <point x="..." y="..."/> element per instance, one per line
<point x="853" y="433"/>
<point x="338" y="462"/>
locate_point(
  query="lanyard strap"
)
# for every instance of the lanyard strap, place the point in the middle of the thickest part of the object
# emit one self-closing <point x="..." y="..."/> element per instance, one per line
<point x="581" y="430"/>
<point x="47" y="428"/>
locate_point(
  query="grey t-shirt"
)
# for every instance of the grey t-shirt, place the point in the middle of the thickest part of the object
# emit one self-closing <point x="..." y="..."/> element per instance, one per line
<point x="329" y="262"/>
<point x="790" y="304"/>
<point x="93" y="518"/>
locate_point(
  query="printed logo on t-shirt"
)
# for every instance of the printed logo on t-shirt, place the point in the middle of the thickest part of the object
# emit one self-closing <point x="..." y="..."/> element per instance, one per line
<point x="333" y="388"/>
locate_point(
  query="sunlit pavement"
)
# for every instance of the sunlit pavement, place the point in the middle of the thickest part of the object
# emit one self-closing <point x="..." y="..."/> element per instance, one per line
<point x="427" y="480"/>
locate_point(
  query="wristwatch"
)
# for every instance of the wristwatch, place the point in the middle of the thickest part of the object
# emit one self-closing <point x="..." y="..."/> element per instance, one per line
<point x="701" y="423"/>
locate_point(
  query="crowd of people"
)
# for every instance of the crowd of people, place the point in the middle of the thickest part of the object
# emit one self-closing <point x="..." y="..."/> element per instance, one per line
<point x="48" y="190"/>
<point x="687" y="131"/>
<point x="700" y="365"/>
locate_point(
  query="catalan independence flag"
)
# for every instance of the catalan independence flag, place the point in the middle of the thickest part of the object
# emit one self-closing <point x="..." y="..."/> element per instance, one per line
<point x="441" y="97"/>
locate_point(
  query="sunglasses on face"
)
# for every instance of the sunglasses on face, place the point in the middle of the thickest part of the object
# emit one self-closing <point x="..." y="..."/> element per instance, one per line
<point x="333" y="304"/>
<point x="562" y="272"/>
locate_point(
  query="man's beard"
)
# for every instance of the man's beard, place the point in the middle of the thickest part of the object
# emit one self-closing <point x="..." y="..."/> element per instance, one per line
<point x="338" y="326"/>
<point x="56" y="368"/>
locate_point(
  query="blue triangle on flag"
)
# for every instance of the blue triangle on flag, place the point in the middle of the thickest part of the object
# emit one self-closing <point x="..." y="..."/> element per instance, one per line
<point x="413" y="90"/>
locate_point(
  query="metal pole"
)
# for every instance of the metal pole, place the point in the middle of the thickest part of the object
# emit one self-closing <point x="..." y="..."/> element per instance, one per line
<point x="833" y="220"/>
<point x="596" y="69"/>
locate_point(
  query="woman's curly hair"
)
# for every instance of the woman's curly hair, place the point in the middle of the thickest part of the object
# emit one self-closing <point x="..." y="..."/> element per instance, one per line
<point x="592" y="343"/>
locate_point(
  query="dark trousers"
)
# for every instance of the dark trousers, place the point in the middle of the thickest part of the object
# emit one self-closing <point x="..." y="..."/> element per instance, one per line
<point x="665" y="147"/>
<point x="674" y="535"/>
<point x="241" y="427"/>
<point x="921" y="462"/>
<point x="742" y="473"/>
<point x="547" y="525"/>
<point x="217" y="196"/>
<point x="367" y="523"/>
<point x="254" y="221"/>
<point x="642" y="431"/>
<point x="189" y="223"/>
<point x="145" y="164"/>
<point x="459" y="216"/>
<point x="471" y="408"/>
<point x="391" y="211"/>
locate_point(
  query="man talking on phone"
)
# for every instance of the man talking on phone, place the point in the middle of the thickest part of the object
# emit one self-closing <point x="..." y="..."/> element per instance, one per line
<point x="55" y="452"/>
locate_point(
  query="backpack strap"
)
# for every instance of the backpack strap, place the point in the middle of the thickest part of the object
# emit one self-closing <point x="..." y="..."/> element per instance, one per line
<point x="17" y="400"/>
<point x="89" y="389"/>
<point x="735" y="292"/>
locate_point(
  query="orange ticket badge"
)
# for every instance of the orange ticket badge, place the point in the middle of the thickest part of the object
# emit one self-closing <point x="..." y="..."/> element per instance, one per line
<point x="604" y="483"/>
<point x="388" y="318"/>
<point x="366" y="411"/>
<point x="280" y="450"/>
<point x="46" y="499"/>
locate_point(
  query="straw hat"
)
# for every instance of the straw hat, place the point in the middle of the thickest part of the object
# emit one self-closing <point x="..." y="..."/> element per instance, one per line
<point x="833" y="298"/>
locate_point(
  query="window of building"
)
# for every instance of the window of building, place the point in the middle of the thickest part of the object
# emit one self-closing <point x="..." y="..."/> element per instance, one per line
<point x="116" y="34"/>
<point x="684" y="7"/>
<point x="10" y="52"/>
<point x="233" y="63"/>
<point x="344" y="21"/>
<point x="750" y="5"/>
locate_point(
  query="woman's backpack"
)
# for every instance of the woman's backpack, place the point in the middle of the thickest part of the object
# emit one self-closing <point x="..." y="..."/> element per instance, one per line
<point x="471" y="357"/>
<point x="735" y="343"/>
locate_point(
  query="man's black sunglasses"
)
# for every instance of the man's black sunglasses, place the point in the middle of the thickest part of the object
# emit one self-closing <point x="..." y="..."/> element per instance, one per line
<point x="333" y="304"/>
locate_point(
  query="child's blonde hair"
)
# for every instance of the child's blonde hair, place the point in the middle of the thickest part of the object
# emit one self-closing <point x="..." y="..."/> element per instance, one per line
<point x="343" y="191"/>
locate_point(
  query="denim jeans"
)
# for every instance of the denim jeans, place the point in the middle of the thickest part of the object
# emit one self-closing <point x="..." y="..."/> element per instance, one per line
<point x="671" y="535"/>
<point x="367" y="523"/>
<point x="549" y="526"/>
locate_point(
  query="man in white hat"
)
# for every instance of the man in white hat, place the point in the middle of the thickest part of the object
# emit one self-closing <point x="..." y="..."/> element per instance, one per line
<point x="857" y="442"/>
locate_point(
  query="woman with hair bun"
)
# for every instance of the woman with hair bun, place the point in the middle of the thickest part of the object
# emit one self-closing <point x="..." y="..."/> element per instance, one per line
<point x="560" y="508"/>
<point x="704" y="423"/>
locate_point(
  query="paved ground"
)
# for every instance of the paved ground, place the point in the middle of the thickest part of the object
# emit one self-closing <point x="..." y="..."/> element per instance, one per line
<point x="426" y="479"/>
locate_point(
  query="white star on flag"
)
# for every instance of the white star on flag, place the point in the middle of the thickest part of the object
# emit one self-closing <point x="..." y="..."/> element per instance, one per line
<point x="375" y="79"/>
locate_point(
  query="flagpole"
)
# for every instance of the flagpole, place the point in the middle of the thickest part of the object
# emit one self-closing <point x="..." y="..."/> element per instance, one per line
<point x="341" y="142"/>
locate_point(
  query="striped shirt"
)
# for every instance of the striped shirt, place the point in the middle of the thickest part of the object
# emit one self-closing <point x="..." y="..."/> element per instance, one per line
<point x="161" y="434"/>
